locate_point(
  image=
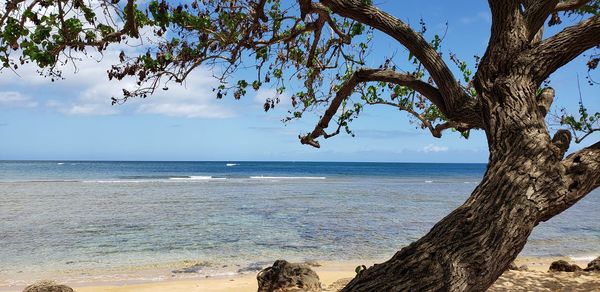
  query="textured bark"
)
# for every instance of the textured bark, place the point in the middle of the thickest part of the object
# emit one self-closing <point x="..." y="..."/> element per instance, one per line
<point x="470" y="248"/>
<point x="526" y="182"/>
<point x="561" y="48"/>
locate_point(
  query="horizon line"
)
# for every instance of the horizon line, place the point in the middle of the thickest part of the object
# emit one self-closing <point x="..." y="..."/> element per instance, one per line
<point x="230" y="161"/>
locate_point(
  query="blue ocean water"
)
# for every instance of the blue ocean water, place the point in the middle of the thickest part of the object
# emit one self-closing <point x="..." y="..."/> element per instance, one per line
<point x="59" y="215"/>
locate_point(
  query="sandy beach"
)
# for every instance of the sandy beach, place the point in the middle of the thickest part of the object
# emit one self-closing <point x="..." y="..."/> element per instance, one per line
<point x="334" y="275"/>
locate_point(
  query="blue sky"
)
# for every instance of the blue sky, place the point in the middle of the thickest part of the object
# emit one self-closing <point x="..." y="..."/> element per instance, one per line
<point x="72" y="119"/>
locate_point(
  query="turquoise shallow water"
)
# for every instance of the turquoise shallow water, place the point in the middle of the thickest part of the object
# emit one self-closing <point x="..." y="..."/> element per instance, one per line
<point x="93" y="215"/>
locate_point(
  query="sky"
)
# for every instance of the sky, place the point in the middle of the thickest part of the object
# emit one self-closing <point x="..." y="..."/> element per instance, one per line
<point x="72" y="119"/>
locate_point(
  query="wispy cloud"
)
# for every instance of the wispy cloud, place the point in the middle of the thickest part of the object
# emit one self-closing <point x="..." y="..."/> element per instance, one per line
<point x="279" y="130"/>
<point x="434" y="149"/>
<point x="482" y="16"/>
<point x="89" y="110"/>
<point x="284" y="101"/>
<point x="193" y="99"/>
<point x="383" y="134"/>
<point x="88" y="92"/>
<point x="269" y="93"/>
<point x="186" y="110"/>
<point x="16" y="99"/>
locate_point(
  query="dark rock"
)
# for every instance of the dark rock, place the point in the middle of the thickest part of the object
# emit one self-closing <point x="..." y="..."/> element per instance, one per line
<point x="513" y="267"/>
<point x="593" y="266"/>
<point x="195" y="268"/>
<point x="563" y="266"/>
<point x="47" y="286"/>
<point x="288" y="277"/>
<point x="312" y="263"/>
<point x="523" y="268"/>
<point x="253" y="267"/>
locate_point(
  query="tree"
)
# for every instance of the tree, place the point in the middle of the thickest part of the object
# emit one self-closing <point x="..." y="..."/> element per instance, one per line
<point x="324" y="44"/>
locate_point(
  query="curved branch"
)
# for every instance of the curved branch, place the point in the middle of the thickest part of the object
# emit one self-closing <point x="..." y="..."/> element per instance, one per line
<point x="591" y="131"/>
<point x="344" y="92"/>
<point x="563" y="47"/>
<point x="452" y="94"/>
<point x="538" y="11"/>
<point x="436" y="130"/>
<point x="582" y="175"/>
<point x="130" y="24"/>
<point x="536" y="14"/>
<point x="469" y="116"/>
<point x="570" y="5"/>
<point x="408" y="80"/>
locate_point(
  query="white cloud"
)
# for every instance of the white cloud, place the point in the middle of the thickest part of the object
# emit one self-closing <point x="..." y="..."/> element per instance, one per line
<point x="89" y="110"/>
<point x="185" y="110"/>
<point x="270" y="93"/>
<point x="434" y="148"/>
<point x="384" y="134"/>
<point x="284" y="131"/>
<point x="482" y="16"/>
<point x="16" y="99"/>
<point x="264" y="93"/>
<point x="88" y="91"/>
<point x="192" y="99"/>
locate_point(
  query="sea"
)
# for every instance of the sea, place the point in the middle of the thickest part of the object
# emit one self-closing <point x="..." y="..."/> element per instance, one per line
<point x="233" y="217"/>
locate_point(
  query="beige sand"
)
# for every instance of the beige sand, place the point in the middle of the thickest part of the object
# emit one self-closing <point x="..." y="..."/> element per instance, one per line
<point x="334" y="274"/>
<point x="329" y="272"/>
<point x="537" y="278"/>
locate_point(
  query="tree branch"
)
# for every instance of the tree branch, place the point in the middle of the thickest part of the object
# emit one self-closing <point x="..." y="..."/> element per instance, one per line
<point x="436" y="130"/>
<point x="570" y="5"/>
<point x="591" y="131"/>
<point x="538" y="11"/>
<point x="408" y="80"/>
<point x="563" y="47"/>
<point x="453" y="97"/>
<point x="581" y="176"/>
<point x="344" y="92"/>
<point x="130" y="24"/>
<point x="536" y="14"/>
<point x="390" y="76"/>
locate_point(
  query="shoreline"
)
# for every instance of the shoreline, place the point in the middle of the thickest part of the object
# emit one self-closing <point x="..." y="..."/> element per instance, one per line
<point x="331" y="273"/>
<point x="151" y="274"/>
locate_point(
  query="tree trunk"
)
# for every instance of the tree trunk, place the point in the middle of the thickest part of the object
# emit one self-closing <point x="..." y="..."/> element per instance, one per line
<point x="466" y="251"/>
<point x="471" y="247"/>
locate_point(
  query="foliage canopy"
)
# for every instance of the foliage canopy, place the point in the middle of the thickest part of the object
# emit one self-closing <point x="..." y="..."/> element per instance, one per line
<point x="321" y="45"/>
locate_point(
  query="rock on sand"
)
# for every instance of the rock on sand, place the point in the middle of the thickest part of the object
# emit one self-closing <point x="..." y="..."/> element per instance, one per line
<point x="47" y="286"/>
<point x="288" y="277"/>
